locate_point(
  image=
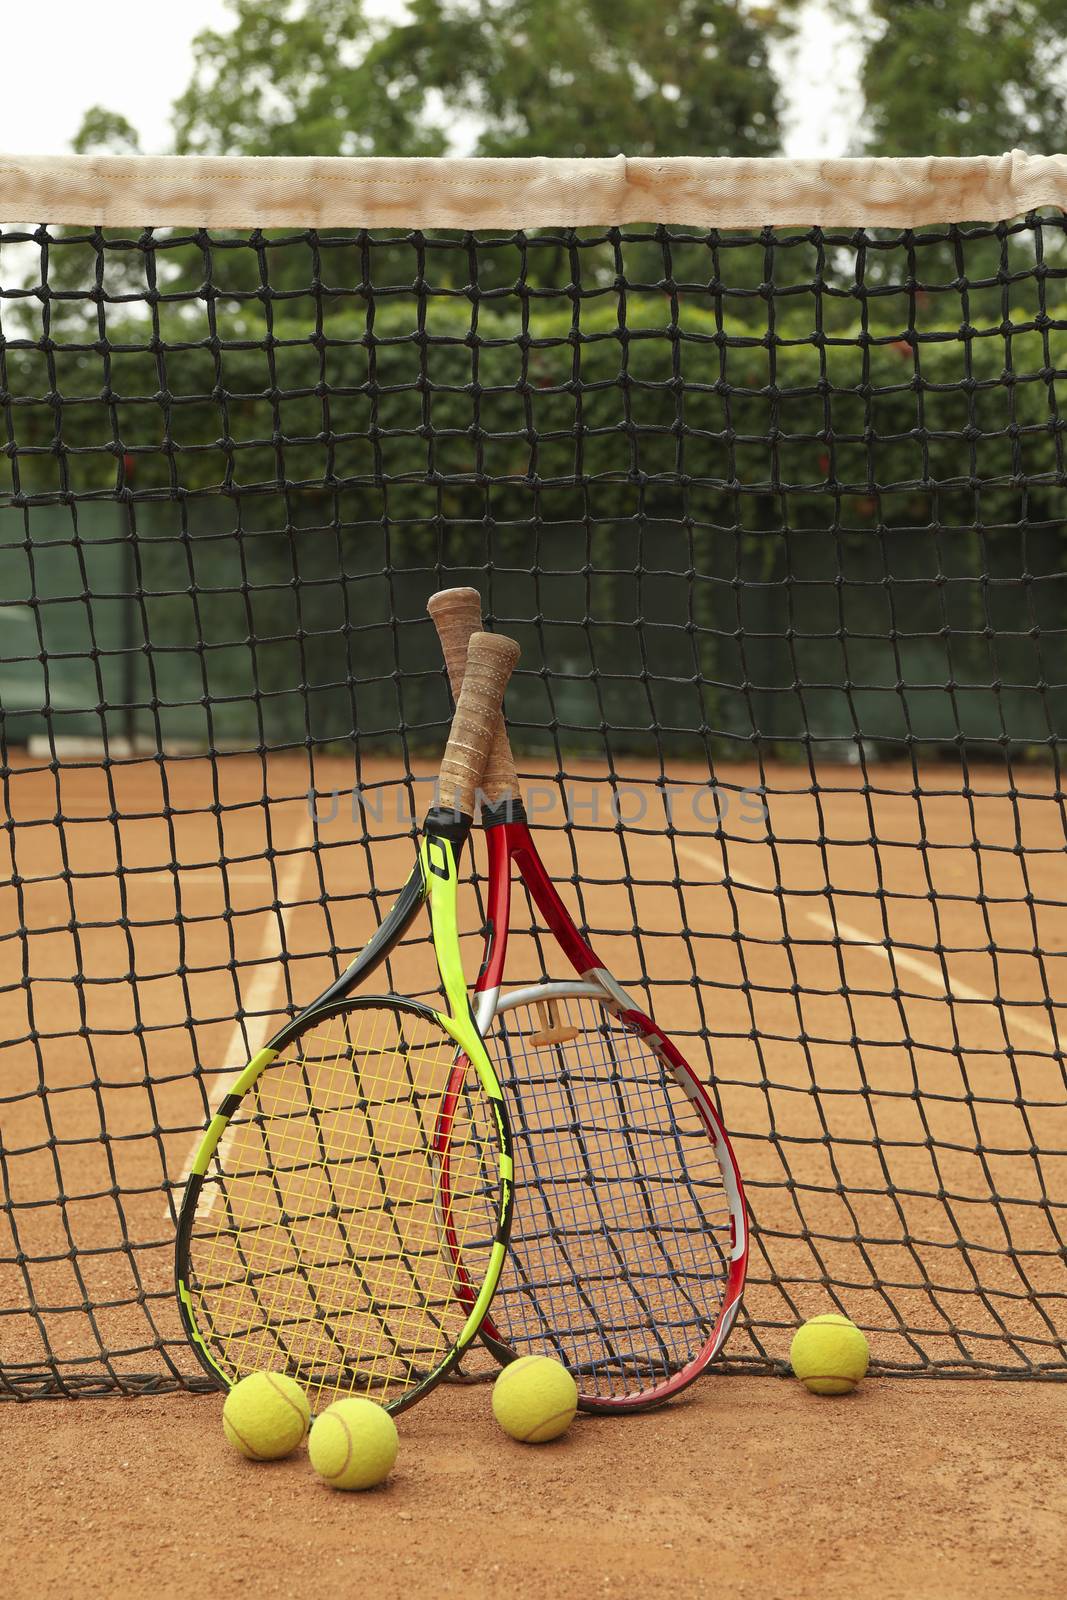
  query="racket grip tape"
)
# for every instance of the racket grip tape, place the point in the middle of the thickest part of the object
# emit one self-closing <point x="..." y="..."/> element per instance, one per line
<point x="490" y="661"/>
<point x="457" y="614"/>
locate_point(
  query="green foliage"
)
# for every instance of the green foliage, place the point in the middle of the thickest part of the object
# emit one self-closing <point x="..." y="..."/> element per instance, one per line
<point x="853" y="504"/>
<point x="963" y="77"/>
<point x="321" y="385"/>
<point x="593" y="77"/>
<point x="510" y="77"/>
<point x="106" y="133"/>
<point x="299" y="81"/>
<point x="819" y="505"/>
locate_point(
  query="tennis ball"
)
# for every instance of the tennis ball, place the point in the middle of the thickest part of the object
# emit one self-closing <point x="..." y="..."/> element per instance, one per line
<point x="534" y="1399"/>
<point x="829" y="1355"/>
<point x="265" y="1416"/>
<point x="353" y="1444"/>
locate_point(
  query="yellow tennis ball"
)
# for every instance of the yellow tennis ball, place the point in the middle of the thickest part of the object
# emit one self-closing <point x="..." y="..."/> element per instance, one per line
<point x="829" y="1354"/>
<point x="534" y="1399"/>
<point x="353" y="1444"/>
<point x="265" y="1416"/>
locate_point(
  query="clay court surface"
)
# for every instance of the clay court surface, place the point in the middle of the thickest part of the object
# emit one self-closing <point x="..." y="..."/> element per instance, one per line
<point x="884" y="1022"/>
<point x="748" y="1487"/>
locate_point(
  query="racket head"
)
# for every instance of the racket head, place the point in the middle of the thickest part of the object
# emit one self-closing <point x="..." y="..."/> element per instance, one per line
<point x="629" y="1248"/>
<point x="311" y="1240"/>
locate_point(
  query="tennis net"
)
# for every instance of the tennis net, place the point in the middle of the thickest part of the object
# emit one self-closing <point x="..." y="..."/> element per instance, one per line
<point x="771" y="488"/>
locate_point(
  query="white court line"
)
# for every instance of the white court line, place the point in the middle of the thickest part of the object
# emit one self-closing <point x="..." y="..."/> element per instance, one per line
<point x="258" y="1005"/>
<point x="928" y="971"/>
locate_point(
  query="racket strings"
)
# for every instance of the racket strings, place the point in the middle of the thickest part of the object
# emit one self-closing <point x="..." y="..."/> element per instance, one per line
<point x="621" y="1239"/>
<point x="317" y="1246"/>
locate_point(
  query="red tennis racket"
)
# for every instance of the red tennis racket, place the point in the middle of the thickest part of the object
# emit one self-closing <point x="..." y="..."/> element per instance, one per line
<point x="629" y="1242"/>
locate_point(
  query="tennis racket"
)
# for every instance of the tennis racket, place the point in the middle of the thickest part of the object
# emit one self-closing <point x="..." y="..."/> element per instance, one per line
<point x="628" y="1252"/>
<point x="319" y="1231"/>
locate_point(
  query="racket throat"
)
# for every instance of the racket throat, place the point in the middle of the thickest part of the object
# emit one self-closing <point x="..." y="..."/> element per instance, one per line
<point x="451" y="827"/>
<point x="485" y="1003"/>
<point x="443" y="836"/>
<point x="602" y="978"/>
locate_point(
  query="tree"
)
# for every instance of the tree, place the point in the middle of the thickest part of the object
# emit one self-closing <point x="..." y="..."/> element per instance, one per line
<point x="594" y="77"/>
<point x="504" y="77"/>
<point x="299" y="82"/>
<point x="107" y="133"/>
<point x="962" y="77"/>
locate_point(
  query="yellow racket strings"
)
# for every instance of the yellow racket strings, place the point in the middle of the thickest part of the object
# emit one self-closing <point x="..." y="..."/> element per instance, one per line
<point x="319" y="1243"/>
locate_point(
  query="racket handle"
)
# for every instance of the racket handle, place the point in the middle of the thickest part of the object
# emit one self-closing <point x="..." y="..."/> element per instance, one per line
<point x="457" y="614"/>
<point x="490" y="661"/>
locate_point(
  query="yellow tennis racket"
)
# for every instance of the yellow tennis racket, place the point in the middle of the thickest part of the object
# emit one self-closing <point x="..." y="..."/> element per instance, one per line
<point x="312" y="1233"/>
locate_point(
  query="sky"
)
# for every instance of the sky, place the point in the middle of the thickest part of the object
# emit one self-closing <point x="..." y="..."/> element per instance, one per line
<point x="140" y="70"/>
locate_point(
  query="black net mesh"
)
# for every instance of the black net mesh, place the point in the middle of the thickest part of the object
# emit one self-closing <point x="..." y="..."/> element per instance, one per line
<point x="778" y="520"/>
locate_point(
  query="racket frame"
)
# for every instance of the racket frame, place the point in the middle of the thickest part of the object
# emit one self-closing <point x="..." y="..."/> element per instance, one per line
<point x="433" y="882"/>
<point x="509" y="841"/>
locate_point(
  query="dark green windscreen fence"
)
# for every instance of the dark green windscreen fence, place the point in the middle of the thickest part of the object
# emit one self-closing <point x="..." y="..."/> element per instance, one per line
<point x="186" y="633"/>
